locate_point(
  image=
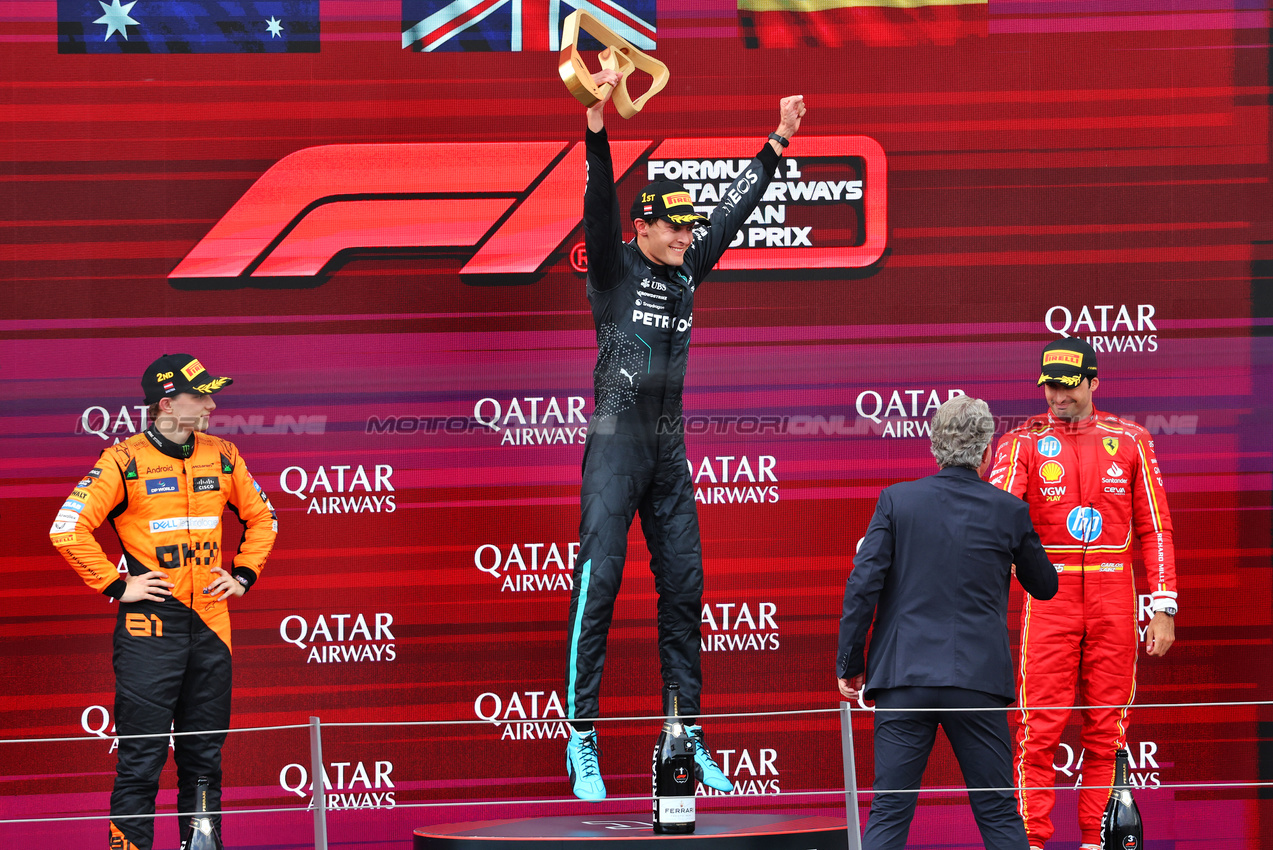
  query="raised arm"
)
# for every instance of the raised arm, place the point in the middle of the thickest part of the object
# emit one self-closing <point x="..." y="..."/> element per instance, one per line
<point x="602" y="225"/>
<point x="744" y="194"/>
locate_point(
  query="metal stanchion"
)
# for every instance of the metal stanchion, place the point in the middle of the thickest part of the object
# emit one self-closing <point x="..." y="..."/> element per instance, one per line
<point x="320" y="788"/>
<point x="852" y="824"/>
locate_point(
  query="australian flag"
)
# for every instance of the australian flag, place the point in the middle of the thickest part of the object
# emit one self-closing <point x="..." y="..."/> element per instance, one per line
<point x="187" y="26"/>
<point x="518" y="25"/>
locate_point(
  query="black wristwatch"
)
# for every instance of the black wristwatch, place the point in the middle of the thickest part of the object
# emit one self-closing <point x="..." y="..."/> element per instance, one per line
<point x="779" y="139"/>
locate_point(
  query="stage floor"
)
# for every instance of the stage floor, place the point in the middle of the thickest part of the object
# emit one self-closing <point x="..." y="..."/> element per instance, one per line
<point x="713" y="831"/>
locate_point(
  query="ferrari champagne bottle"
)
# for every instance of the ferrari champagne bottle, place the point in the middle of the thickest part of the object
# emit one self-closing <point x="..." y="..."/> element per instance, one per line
<point x="1120" y="824"/>
<point x="673" y="771"/>
<point x="203" y="833"/>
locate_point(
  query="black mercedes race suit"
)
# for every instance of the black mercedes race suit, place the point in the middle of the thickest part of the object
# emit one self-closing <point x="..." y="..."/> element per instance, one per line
<point x="634" y="458"/>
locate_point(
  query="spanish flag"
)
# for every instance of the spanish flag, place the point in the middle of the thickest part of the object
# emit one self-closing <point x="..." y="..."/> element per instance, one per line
<point x="843" y="23"/>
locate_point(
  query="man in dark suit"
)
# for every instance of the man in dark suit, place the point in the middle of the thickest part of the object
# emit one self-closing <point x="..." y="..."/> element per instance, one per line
<point x="933" y="573"/>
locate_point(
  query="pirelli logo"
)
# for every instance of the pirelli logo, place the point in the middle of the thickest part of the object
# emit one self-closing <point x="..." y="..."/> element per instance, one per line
<point x="1066" y="358"/>
<point x="191" y="369"/>
<point x="676" y="199"/>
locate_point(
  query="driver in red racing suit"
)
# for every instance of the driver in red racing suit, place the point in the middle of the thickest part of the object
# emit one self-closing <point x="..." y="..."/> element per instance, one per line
<point x="1093" y="483"/>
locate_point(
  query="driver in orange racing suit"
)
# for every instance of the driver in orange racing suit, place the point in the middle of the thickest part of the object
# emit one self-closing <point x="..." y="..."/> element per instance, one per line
<point x="1093" y="483"/>
<point x="164" y="491"/>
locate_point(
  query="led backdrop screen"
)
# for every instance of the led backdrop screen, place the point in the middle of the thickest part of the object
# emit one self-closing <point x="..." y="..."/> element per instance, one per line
<point x="369" y="215"/>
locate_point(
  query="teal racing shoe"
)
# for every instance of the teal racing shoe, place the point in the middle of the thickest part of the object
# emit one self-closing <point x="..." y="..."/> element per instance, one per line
<point x="582" y="768"/>
<point x="705" y="768"/>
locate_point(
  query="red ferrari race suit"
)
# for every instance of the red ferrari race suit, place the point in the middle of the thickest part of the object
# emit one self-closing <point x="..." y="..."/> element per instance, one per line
<point x="171" y="658"/>
<point x="1092" y="486"/>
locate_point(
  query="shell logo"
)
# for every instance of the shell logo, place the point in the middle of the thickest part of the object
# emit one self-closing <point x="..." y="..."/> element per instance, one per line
<point x="1052" y="472"/>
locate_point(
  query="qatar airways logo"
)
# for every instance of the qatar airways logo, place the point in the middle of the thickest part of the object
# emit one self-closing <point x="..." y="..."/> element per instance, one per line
<point x="753" y="772"/>
<point x="529" y="567"/>
<point x="96" y="721"/>
<point x="518" y="201"/>
<point x="523" y="715"/>
<point x="346" y="784"/>
<point x="341" y="638"/>
<point x="739" y="627"/>
<point x="533" y="420"/>
<point x="1142" y="758"/>
<point x="903" y="413"/>
<point x="341" y="488"/>
<point x="1106" y="327"/>
<point x="735" y="479"/>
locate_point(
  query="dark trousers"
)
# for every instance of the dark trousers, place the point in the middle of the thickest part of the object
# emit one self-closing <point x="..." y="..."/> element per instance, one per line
<point x="903" y="741"/>
<point x="625" y="475"/>
<point x="179" y="677"/>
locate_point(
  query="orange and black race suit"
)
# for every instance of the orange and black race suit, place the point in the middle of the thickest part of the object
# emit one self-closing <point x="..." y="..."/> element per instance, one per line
<point x="171" y="658"/>
<point x="1092" y="487"/>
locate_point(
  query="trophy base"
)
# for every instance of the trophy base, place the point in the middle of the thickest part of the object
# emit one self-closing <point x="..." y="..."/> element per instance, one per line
<point x="724" y="831"/>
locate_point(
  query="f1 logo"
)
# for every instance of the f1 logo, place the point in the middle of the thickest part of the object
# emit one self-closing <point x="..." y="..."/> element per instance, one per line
<point x="516" y="202"/>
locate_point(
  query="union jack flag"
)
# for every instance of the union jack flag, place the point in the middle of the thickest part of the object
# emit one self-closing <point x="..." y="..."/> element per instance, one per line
<point x="518" y="25"/>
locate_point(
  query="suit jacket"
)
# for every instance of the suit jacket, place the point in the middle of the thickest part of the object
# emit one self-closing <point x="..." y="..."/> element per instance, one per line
<point x="933" y="573"/>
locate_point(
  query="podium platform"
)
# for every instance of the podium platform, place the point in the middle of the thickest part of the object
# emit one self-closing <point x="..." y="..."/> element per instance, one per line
<point x="713" y="831"/>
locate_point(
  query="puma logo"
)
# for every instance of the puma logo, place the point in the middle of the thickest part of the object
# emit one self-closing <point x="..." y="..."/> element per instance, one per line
<point x="628" y="375"/>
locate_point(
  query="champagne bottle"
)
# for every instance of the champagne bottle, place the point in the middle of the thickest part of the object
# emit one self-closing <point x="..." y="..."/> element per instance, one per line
<point x="1120" y="824"/>
<point x="673" y="771"/>
<point x="203" y="833"/>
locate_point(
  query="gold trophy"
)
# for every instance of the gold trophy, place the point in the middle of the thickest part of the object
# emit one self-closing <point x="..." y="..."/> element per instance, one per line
<point x="619" y="56"/>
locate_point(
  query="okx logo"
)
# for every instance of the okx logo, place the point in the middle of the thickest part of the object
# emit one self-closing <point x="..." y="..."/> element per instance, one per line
<point x="514" y="203"/>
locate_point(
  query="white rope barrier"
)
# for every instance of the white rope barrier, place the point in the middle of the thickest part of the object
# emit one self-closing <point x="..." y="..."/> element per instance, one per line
<point x="645" y="799"/>
<point x="652" y="717"/>
<point x="156" y="815"/>
<point x="859" y="709"/>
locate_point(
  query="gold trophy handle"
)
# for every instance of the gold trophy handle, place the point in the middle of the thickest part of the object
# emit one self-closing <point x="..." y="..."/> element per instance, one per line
<point x="619" y="56"/>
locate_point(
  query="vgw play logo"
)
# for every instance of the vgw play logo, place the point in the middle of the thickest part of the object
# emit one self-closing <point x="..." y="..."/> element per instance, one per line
<point x="516" y="203"/>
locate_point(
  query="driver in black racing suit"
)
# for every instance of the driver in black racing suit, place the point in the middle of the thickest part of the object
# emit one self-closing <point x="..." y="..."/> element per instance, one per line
<point x="642" y="296"/>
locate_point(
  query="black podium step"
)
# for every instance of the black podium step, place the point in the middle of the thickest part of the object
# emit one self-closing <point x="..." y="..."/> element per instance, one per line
<point x="723" y="831"/>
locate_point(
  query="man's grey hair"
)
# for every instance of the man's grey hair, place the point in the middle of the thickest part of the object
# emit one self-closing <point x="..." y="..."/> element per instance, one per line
<point x="962" y="428"/>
